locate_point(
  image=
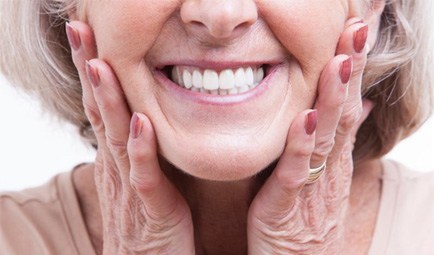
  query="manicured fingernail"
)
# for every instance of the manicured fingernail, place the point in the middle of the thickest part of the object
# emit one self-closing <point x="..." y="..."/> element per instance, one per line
<point x="359" y="39"/>
<point x="346" y="70"/>
<point x="135" y="126"/>
<point x="92" y="74"/>
<point x="311" y="122"/>
<point x="73" y="37"/>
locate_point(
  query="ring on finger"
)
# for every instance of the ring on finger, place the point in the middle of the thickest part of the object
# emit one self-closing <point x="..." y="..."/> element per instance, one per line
<point x="315" y="173"/>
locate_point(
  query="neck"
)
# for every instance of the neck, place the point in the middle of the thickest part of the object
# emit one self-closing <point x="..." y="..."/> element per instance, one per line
<point x="219" y="209"/>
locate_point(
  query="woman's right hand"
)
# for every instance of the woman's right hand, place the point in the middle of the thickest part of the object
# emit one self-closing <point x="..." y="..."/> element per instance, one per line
<point x="142" y="211"/>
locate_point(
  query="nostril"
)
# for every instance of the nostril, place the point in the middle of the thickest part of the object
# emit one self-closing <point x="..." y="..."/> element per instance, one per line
<point x="196" y="23"/>
<point x="243" y="25"/>
<point x="227" y="19"/>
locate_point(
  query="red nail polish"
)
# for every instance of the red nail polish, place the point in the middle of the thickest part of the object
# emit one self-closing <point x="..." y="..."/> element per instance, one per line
<point x="135" y="126"/>
<point x="346" y="70"/>
<point x="311" y="122"/>
<point x="92" y="74"/>
<point x="73" y="37"/>
<point x="359" y="39"/>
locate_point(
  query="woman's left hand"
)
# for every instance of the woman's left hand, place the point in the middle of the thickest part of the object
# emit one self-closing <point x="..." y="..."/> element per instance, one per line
<point x="289" y="216"/>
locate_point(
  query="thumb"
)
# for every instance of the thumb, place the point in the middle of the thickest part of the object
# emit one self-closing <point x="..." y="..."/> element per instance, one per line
<point x="159" y="196"/>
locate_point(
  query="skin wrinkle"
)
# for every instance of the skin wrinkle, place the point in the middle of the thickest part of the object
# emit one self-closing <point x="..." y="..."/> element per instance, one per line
<point x="294" y="89"/>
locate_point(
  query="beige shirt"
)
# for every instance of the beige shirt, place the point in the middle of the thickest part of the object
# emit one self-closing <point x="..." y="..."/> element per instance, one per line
<point x="47" y="220"/>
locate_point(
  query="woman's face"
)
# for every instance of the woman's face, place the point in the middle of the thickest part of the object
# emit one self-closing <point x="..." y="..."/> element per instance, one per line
<point x="154" y="46"/>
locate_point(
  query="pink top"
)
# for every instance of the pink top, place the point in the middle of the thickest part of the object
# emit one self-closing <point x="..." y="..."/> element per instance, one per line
<point x="47" y="220"/>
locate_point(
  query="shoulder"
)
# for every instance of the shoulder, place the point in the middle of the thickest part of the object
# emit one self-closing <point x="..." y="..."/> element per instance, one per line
<point x="406" y="217"/>
<point x="32" y="217"/>
<point x="412" y="189"/>
<point x="400" y="174"/>
<point x="42" y="194"/>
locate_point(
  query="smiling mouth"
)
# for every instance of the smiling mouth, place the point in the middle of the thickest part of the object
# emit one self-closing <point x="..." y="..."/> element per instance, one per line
<point x="230" y="81"/>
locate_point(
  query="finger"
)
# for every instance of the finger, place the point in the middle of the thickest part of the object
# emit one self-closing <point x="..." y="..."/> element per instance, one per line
<point x="367" y="106"/>
<point x="158" y="194"/>
<point x="114" y="111"/>
<point x="353" y="42"/>
<point x="332" y="93"/>
<point x="278" y="195"/>
<point x="83" y="48"/>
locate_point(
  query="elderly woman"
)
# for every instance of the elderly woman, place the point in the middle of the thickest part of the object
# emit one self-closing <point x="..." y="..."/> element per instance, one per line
<point x="225" y="126"/>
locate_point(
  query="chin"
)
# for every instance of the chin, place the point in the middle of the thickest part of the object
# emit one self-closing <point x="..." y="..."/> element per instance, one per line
<point x="227" y="163"/>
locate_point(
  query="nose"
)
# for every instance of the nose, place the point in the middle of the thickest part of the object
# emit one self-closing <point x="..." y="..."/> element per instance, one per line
<point x="221" y="19"/>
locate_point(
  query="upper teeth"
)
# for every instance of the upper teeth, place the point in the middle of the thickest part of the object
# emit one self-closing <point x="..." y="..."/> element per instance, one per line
<point x="226" y="82"/>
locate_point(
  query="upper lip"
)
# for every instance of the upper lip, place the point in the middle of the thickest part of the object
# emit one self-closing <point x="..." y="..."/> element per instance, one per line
<point x="218" y="66"/>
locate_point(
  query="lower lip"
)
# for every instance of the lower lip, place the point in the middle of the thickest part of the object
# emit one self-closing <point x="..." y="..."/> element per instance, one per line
<point x="204" y="98"/>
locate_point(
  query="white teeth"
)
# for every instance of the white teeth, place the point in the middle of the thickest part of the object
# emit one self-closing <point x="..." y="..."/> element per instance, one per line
<point x="186" y="78"/>
<point x="210" y="82"/>
<point x="250" y="77"/>
<point x="243" y="89"/>
<point x="223" y="92"/>
<point x="259" y="75"/>
<point x="197" y="79"/>
<point x="210" y="79"/>
<point x="233" y="91"/>
<point x="227" y="79"/>
<point x="240" y="77"/>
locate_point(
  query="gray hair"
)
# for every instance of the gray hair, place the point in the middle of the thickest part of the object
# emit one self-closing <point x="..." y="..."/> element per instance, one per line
<point x="399" y="79"/>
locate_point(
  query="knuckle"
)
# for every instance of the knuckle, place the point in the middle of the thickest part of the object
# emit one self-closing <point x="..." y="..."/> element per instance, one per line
<point x="106" y="102"/>
<point x="324" y="146"/>
<point x="336" y="102"/>
<point x="106" y="105"/>
<point x="138" y="155"/>
<point x="94" y="118"/>
<point x="144" y="183"/>
<point x="289" y="180"/>
<point x="350" y="118"/>
<point x="112" y="183"/>
<point x="116" y="145"/>
<point x="301" y="151"/>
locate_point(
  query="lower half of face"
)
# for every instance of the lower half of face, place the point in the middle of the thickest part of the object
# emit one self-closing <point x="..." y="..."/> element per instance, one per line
<point x="221" y="107"/>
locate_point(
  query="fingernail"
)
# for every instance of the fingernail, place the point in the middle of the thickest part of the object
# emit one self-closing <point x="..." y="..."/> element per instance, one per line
<point x="92" y="74"/>
<point x="359" y="39"/>
<point x="73" y="37"/>
<point x="135" y="126"/>
<point x="311" y="122"/>
<point x="346" y="70"/>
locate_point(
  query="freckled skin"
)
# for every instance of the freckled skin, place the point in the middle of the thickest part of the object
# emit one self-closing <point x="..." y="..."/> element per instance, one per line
<point x="209" y="141"/>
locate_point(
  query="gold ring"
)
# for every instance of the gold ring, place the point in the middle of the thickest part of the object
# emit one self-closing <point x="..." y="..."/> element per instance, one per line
<point x="315" y="173"/>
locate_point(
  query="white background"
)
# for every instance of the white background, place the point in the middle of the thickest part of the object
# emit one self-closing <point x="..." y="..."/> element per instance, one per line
<point x="34" y="147"/>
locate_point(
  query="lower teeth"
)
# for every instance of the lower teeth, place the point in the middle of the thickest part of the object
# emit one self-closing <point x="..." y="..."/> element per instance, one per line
<point x="222" y="92"/>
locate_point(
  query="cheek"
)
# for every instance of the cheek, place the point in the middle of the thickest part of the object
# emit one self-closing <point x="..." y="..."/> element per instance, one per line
<point x="125" y="30"/>
<point x="308" y="29"/>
